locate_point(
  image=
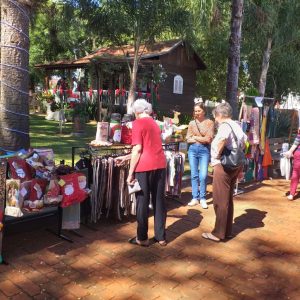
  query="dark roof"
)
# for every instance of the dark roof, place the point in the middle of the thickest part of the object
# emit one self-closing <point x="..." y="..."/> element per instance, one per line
<point x="121" y="54"/>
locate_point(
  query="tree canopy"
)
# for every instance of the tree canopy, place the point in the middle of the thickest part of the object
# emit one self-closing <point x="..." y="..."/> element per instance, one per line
<point x="72" y="28"/>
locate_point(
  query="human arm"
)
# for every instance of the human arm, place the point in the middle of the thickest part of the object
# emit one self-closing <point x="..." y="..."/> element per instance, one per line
<point x="198" y="137"/>
<point x="190" y="135"/>
<point x="220" y="147"/>
<point x="135" y="156"/>
<point x="293" y="148"/>
<point x="121" y="160"/>
<point x="289" y="153"/>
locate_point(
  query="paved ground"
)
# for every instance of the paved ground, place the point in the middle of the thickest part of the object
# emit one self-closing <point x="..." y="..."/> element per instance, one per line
<point x="261" y="262"/>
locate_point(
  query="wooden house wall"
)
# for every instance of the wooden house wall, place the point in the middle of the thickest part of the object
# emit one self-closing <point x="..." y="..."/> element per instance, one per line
<point x="178" y="63"/>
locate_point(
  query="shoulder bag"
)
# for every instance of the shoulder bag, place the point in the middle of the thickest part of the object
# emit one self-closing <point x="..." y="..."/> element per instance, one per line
<point x="235" y="158"/>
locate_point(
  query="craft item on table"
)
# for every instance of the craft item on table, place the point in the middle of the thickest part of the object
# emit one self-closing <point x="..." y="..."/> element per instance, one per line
<point x="71" y="191"/>
<point x="100" y="143"/>
<point x="24" y="192"/>
<point x="63" y="170"/>
<point x="176" y="117"/>
<point x="20" y="169"/>
<point x="102" y="132"/>
<point x="52" y="195"/>
<point x="115" y="128"/>
<point x="34" y="160"/>
<point x="37" y="190"/>
<point x="13" y="205"/>
<point x="43" y="173"/>
<point x="126" y="131"/>
<point x="254" y="127"/>
<point x="47" y="156"/>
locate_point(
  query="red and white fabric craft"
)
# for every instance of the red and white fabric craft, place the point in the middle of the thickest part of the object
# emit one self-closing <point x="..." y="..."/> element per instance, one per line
<point x="72" y="186"/>
<point x="20" y="169"/>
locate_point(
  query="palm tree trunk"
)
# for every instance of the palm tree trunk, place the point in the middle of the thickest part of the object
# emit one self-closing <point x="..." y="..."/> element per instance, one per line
<point x="234" y="55"/>
<point x="265" y="68"/>
<point x="14" y="75"/>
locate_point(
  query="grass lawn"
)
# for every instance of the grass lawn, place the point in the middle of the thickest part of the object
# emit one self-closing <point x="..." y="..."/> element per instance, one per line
<point x="45" y="134"/>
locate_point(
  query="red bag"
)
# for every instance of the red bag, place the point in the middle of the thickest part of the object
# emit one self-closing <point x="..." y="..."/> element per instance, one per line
<point x="126" y="135"/>
<point x="37" y="189"/>
<point x="71" y="191"/>
<point x="20" y="169"/>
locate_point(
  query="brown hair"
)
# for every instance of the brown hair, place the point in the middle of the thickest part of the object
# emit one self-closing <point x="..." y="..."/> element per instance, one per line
<point x="201" y="105"/>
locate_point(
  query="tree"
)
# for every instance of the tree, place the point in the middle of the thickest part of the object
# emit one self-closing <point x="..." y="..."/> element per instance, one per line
<point x="136" y="22"/>
<point x="272" y="51"/>
<point x="234" y="56"/>
<point x="14" y="74"/>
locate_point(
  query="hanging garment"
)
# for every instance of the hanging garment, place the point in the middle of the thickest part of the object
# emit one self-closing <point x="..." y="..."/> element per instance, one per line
<point x="263" y="129"/>
<point x="285" y="167"/>
<point x="254" y="126"/>
<point x="267" y="160"/>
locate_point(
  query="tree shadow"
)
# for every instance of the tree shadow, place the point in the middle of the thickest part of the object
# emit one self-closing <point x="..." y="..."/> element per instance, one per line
<point x="252" y="218"/>
<point x="184" y="224"/>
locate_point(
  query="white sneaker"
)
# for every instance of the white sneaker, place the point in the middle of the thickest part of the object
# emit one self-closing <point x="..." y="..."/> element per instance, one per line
<point x="193" y="202"/>
<point x="290" y="197"/>
<point x="203" y="204"/>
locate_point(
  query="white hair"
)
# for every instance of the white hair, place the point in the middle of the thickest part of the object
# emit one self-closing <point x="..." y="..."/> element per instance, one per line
<point x="140" y="106"/>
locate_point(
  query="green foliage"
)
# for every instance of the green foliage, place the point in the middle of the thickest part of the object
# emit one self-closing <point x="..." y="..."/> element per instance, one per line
<point x="278" y="20"/>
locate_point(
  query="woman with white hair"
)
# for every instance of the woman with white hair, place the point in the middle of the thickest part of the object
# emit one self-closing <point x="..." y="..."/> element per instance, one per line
<point x="148" y="166"/>
<point x="224" y="179"/>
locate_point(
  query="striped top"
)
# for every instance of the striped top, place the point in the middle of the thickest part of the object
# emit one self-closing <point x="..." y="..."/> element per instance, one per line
<point x="206" y="128"/>
<point x="297" y="142"/>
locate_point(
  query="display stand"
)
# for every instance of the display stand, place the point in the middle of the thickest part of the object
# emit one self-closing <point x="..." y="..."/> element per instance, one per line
<point x="32" y="216"/>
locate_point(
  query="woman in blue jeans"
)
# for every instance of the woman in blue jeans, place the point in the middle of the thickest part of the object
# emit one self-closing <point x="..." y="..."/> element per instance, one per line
<point x="199" y="136"/>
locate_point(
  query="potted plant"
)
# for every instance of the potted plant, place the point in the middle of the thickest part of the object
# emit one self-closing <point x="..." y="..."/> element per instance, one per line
<point x="79" y="115"/>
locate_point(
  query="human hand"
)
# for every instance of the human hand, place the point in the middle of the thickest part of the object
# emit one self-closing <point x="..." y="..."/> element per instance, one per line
<point x="130" y="179"/>
<point x="288" y="154"/>
<point x="121" y="160"/>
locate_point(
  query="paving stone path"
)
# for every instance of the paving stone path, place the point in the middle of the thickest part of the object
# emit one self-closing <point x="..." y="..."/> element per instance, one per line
<point x="261" y="262"/>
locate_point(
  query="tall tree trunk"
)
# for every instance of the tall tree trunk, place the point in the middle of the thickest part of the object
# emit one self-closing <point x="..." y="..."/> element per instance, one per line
<point x="265" y="68"/>
<point x="14" y="75"/>
<point x="234" y="55"/>
<point x="133" y="76"/>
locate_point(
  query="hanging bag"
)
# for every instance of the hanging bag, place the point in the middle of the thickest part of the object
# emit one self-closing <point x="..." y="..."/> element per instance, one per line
<point x="235" y="158"/>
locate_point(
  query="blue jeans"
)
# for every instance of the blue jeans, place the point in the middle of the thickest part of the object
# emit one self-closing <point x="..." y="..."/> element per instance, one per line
<point x="199" y="156"/>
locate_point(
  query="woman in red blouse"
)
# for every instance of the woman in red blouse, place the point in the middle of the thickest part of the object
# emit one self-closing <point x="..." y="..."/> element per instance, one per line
<point x="148" y="166"/>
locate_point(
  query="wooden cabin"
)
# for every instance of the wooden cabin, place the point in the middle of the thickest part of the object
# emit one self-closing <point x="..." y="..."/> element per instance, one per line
<point x="176" y="58"/>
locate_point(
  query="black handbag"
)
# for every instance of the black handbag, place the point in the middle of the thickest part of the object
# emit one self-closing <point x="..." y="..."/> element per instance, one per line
<point x="235" y="158"/>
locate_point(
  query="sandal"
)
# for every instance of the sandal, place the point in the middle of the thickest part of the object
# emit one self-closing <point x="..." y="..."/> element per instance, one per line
<point x="210" y="236"/>
<point x="135" y="241"/>
<point x="162" y="243"/>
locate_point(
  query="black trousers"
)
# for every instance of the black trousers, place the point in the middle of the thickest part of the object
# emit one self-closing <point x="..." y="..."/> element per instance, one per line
<point x="152" y="183"/>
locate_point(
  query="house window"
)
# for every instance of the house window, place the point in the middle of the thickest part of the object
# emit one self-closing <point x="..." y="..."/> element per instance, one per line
<point x="178" y="85"/>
